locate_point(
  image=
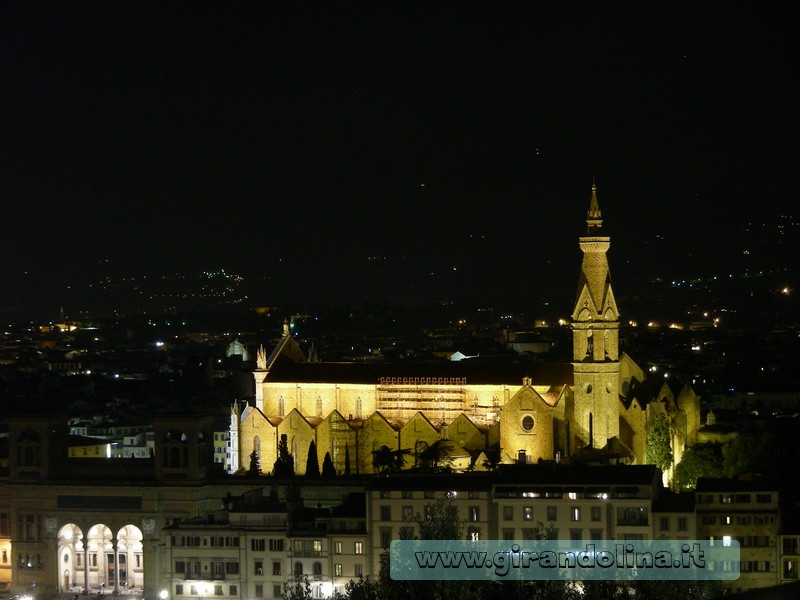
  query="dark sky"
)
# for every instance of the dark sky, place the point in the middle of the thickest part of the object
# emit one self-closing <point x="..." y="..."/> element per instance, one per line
<point x="294" y="141"/>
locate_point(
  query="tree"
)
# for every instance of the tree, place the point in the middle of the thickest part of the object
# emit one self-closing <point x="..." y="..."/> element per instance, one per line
<point x="661" y="589"/>
<point x="284" y="466"/>
<point x="361" y="589"/>
<point x="697" y="461"/>
<point x="346" y="459"/>
<point x="386" y="460"/>
<point x="312" y="462"/>
<point x="297" y="589"/>
<point x="493" y="457"/>
<point x="659" y="447"/>
<point x="255" y="465"/>
<point x="436" y="457"/>
<point x="328" y="470"/>
<point x="748" y="452"/>
<point x="440" y="522"/>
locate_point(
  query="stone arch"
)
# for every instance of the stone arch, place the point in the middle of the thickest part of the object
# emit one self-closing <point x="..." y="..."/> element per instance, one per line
<point x="70" y="548"/>
<point x="99" y="544"/>
<point x="129" y="557"/>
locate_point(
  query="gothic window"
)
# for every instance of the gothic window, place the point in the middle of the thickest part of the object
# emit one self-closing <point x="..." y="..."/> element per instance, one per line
<point x="281" y="406"/>
<point x="358" y="407"/>
<point x="319" y="406"/>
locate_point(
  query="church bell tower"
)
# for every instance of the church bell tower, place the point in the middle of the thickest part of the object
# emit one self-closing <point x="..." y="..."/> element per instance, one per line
<point x="595" y="340"/>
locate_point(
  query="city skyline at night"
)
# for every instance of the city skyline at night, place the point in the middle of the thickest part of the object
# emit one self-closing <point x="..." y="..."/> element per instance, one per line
<point x="388" y="154"/>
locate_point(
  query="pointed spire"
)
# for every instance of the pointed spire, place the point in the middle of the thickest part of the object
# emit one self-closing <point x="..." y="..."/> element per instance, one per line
<point x="594" y="219"/>
<point x="261" y="358"/>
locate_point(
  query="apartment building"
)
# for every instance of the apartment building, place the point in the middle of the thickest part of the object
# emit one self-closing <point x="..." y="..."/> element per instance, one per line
<point x="789" y="547"/>
<point x="674" y="516"/>
<point x="348" y="541"/>
<point x="256" y="544"/>
<point x="396" y="502"/>
<point x="745" y="510"/>
<point x="519" y="502"/>
<point x="235" y="553"/>
<point x="577" y="504"/>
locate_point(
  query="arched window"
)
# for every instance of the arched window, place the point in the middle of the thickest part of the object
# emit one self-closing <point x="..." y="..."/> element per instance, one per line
<point x="29" y="453"/>
<point x="298" y="568"/>
<point x="281" y="406"/>
<point x="317" y="568"/>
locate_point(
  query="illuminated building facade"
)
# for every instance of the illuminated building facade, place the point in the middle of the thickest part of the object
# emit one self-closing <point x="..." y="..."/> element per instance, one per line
<point x="525" y="413"/>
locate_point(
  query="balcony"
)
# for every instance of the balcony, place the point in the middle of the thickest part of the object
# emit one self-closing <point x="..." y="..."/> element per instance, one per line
<point x="306" y="554"/>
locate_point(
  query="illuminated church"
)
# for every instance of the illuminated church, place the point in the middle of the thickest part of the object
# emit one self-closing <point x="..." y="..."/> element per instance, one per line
<point x="468" y="414"/>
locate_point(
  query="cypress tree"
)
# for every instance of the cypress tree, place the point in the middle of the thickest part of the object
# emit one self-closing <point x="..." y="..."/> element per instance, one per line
<point x="284" y="466"/>
<point x="312" y="462"/>
<point x="328" y="470"/>
<point x="255" y="465"/>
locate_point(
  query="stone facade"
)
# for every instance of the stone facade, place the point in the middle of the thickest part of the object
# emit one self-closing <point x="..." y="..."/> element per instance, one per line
<point x="595" y="404"/>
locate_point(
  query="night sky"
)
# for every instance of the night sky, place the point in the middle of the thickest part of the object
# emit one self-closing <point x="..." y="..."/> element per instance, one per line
<point x="388" y="152"/>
